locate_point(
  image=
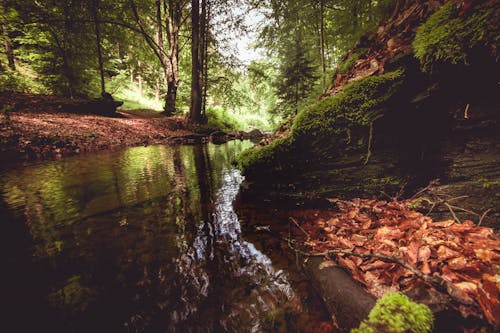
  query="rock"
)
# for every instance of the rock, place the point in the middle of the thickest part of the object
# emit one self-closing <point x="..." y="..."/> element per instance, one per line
<point x="218" y="137"/>
<point x="103" y="107"/>
<point x="254" y="134"/>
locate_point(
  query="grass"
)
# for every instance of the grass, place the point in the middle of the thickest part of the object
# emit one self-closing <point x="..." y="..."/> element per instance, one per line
<point x="133" y="100"/>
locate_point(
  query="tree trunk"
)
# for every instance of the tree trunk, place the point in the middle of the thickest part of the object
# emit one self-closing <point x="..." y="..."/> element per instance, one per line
<point x="95" y="10"/>
<point x="195" y="110"/>
<point x="8" y="47"/>
<point x="173" y="20"/>
<point x="206" y="39"/>
<point x="322" y="43"/>
<point x="139" y="77"/>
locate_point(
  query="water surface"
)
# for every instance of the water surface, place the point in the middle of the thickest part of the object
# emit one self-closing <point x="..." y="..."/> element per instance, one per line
<point x="141" y="240"/>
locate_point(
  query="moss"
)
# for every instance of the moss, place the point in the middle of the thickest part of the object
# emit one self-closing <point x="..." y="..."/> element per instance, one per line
<point x="360" y="103"/>
<point x="272" y="156"/>
<point x="396" y="313"/>
<point x="328" y="127"/>
<point x="447" y="37"/>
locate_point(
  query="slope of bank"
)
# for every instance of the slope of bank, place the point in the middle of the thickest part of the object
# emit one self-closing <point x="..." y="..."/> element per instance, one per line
<point x="416" y="101"/>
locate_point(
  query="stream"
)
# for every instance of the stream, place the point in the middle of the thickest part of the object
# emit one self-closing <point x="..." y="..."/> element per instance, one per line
<point x="140" y="240"/>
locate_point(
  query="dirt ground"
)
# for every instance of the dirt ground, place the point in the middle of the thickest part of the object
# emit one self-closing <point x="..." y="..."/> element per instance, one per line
<point x="34" y="126"/>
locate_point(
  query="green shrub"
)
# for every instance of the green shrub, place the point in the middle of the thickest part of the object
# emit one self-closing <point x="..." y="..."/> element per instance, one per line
<point x="445" y="37"/>
<point x="396" y="313"/>
<point x="220" y="119"/>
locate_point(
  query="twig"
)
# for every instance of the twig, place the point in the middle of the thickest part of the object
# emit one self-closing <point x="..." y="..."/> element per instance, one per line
<point x="452" y="212"/>
<point x="464" y="210"/>
<point x="483" y="216"/>
<point x="298" y="226"/>
<point x="370" y="140"/>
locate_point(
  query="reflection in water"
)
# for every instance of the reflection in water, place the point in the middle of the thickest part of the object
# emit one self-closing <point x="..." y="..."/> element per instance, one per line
<point x="141" y="240"/>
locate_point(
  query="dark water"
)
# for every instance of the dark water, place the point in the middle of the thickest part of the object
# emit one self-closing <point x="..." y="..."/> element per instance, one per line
<point x="142" y="240"/>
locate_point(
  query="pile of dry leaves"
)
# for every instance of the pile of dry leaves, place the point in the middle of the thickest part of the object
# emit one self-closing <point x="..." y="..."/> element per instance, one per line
<point x="387" y="246"/>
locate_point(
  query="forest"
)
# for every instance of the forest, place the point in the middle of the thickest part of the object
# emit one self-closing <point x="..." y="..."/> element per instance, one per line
<point x="250" y="165"/>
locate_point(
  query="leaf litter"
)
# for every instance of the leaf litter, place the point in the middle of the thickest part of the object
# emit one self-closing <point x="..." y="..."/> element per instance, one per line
<point x="375" y="241"/>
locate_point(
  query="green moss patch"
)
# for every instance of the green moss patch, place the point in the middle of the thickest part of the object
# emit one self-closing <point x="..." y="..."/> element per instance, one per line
<point x="329" y="127"/>
<point x="396" y="313"/>
<point x="447" y="37"/>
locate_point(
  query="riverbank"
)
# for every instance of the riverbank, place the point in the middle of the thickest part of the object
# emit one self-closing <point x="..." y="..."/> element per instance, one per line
<point x="44" y="126"/>
<point x="37" y="126"/>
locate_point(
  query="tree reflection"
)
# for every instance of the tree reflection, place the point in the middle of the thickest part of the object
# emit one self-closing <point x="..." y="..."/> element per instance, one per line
<point x="147" y="240"/>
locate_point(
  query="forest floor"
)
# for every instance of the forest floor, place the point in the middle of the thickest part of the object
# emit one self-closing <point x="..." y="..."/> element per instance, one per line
<point x="33" y="126"/>
<point x="388" y="246"/>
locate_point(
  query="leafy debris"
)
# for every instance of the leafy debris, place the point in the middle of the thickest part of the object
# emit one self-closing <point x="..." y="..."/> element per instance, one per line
<point x="388" y="247"/>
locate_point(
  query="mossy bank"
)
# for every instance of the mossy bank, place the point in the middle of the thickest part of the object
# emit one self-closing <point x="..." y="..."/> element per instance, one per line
<point x="430" y="111"/>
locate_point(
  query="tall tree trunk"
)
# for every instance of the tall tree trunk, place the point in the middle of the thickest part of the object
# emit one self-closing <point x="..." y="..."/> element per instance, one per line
<point x="206" y="40"/>
<point x="173" y="20"/>
<point x="322" y="43"/>
<point x="8" y="47"/>
<point x="161" y="46"/>
<point x="196" y="70"/>
<point x="95" y="13"/>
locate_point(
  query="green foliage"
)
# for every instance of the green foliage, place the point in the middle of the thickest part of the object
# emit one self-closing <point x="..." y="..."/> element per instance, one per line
<point x="220" y="119"/>
<point x="447" y="37"/>
<point x="296" y="78"/>
<point x="396" y="313"/>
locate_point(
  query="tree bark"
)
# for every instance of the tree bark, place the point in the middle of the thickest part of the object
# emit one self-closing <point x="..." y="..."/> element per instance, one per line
<point x="8" y="47"/>
<point x="196" y="70"/>
<point x="322" y="43"/>
<point x="206" y="39"/>
<point x="95" y="13"/>
<point x="173" y="20"/>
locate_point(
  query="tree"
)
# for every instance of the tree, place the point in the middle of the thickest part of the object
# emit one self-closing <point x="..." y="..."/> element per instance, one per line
<point x="95" y="15"/>
<point x="296" y="78"/>
<point x="197" y="58"/>
<point x="7" y="44"/>
<point x="169" y="58"/>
